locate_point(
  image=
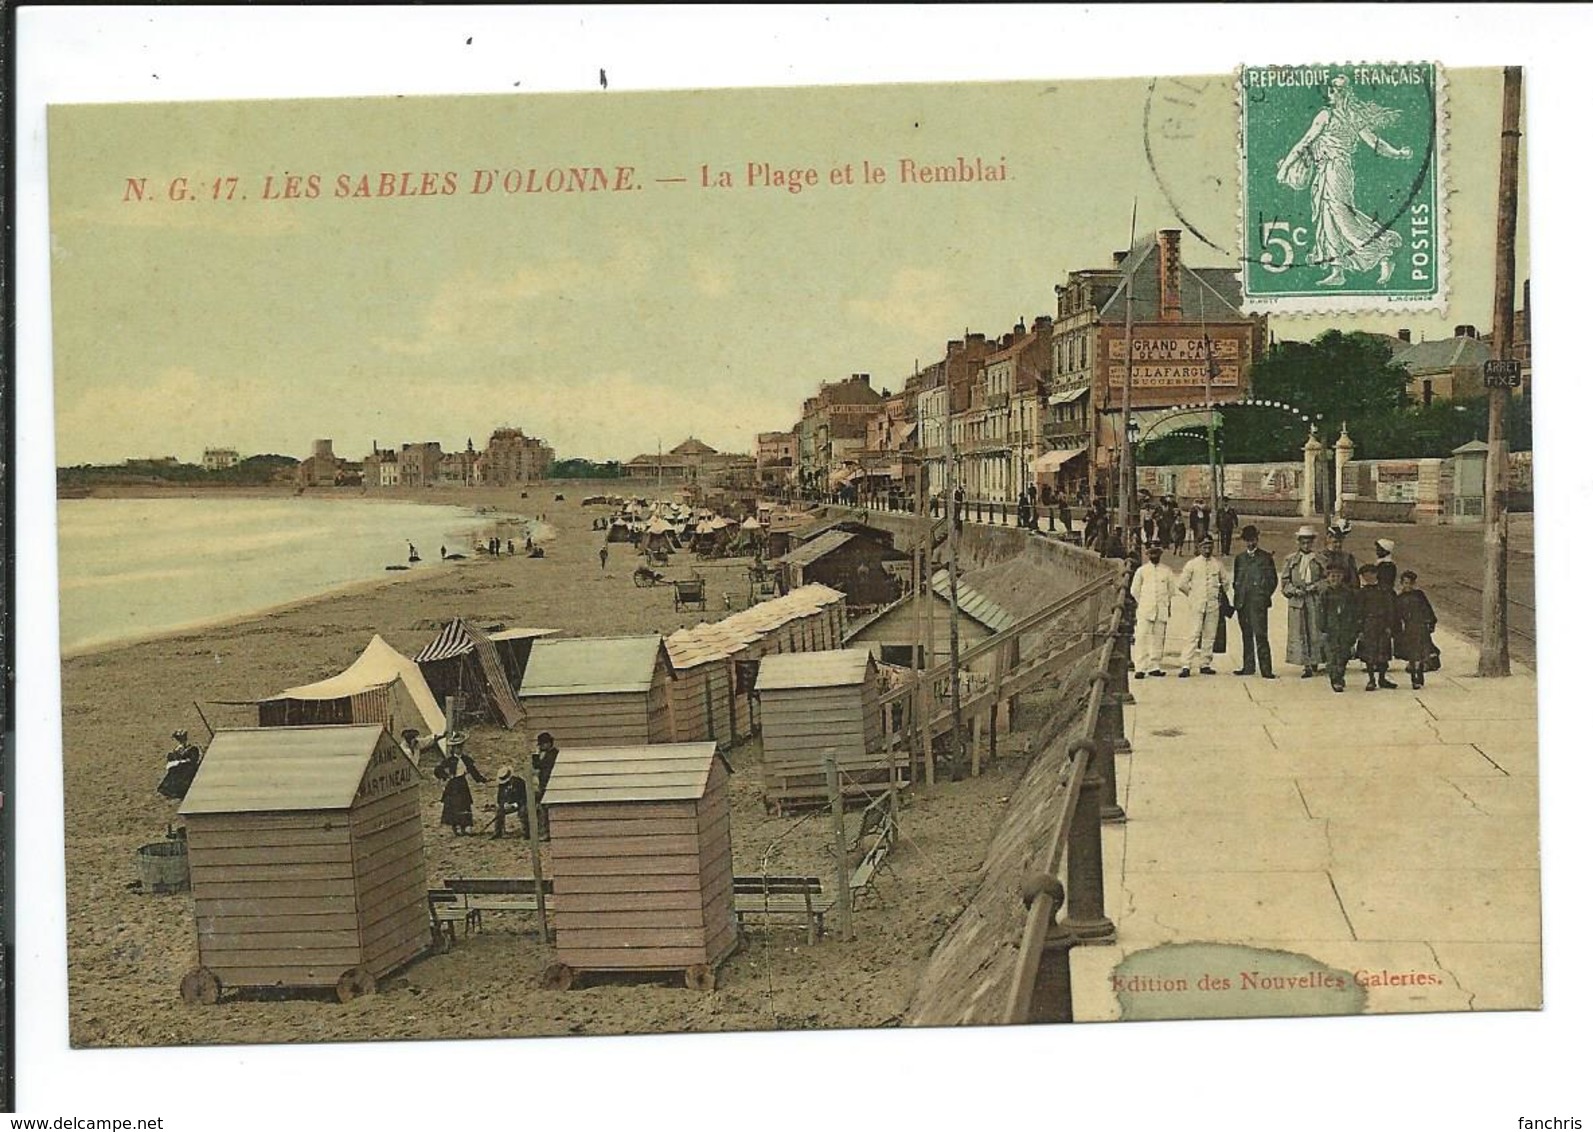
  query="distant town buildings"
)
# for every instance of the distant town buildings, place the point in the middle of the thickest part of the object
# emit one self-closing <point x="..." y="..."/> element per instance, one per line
<point x="219" y="459"/>
<point x="322" y="469"/>
<point x="1040" y="406"/>
<point x="694" y="462"/>
<point x="512" y="457"/>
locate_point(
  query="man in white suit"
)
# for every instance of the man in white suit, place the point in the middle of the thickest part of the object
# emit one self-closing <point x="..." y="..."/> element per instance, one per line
<point x="1152" y="591"/>
<point x="1203" y="581"/>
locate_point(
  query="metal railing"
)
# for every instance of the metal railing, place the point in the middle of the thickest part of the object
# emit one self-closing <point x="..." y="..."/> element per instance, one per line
<point x="1041" y="989"/>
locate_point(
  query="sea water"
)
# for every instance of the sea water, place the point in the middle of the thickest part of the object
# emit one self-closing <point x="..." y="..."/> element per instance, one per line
<point x="133" y="568"/>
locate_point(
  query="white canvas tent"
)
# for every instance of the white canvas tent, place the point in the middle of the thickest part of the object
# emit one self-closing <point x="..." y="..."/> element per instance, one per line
<point x="383" y="686"/>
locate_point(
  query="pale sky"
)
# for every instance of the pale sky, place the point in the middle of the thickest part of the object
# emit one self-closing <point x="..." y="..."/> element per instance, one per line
<point x="605" y="323"/>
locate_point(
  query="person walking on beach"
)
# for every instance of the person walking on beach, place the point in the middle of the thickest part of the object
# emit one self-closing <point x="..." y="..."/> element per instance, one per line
<point x="1255" y="579"/>
<point x="1302" y="581"/>
<point x="1152" y="591"/>
<point x="443" y="551"/>
<point x="602" y="557"/>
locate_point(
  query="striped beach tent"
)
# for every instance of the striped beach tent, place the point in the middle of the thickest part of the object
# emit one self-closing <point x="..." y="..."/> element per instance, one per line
<point x="462" y="662"/>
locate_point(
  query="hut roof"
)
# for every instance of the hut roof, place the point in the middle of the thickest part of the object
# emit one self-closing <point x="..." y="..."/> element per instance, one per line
<point x="379" y="666"/>
<point x="830" y="669"/>
<point x="688" y="648"/>
<point x="810" y="552"/>
<point x="659" y="772"/>
<point x="521" y="634"/>
<point x="972" y="603"/>
<point x="269" y="769"/>
<point x="590" y="665"/>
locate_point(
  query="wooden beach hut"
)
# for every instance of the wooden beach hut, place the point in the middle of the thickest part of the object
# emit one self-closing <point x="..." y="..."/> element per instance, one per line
<point x="699" y="695"/>
<point x="641" y="854"/>
<point x="306" y="860"/>
<point x="514" y="650"/>
<point x="819" y="703"/>
<point x="599" y="691"/>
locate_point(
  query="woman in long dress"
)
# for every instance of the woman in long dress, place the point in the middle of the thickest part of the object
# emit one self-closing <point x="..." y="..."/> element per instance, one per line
<point x="1302" y="581"/>
<point x="1324" y="159"/>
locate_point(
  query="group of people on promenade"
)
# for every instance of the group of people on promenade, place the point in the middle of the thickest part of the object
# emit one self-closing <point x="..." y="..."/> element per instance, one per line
<point x="1338" y="610"/>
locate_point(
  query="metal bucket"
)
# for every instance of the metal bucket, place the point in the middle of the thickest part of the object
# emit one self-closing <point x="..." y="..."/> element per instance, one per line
<point x="163" y="866"/>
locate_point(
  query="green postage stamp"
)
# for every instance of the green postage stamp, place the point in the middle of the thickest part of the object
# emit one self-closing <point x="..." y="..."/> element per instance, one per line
<point x="1341" y="175"/>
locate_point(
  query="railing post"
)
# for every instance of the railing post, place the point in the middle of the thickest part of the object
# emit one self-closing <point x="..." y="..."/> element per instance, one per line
<point x="1053" y="518"/>
<point x="1052" y="1000"/>
<point x="1003" y="512"/>
<point x="1108" y="736"/>
<point x="1086" y="918"/>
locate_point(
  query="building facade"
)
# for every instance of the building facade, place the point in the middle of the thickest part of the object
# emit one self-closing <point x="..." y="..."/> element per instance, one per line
<point x="219" y="459"/>
<point x="511" y="457"/>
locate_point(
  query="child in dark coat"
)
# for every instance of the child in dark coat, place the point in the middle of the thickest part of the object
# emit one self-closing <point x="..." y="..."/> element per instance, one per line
<point x="1376" y="648"/>
<point x="1341" y="623"/>
<point x="1414" y="622"/>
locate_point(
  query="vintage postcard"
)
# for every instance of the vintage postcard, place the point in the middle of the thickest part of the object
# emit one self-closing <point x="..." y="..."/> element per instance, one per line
<point x="591" y="564"/>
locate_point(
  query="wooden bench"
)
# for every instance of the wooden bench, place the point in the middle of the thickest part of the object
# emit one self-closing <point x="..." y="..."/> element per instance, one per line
<point x="447" y="910"/>
<point x="690" y="591"/>
<point x="876" y="837"/>
<point x="475" y="895"/>
<point x="799" y="899"/>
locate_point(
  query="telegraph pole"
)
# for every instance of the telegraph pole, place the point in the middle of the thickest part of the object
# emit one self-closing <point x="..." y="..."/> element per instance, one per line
<point x="1494" y="657"/>
<point x="1127" y="495"/>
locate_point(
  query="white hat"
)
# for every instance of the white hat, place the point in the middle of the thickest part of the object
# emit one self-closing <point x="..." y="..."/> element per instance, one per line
<point x="505" y="773"/>
<point x="1305" y="532"/>
<point x="1385" y="545"/>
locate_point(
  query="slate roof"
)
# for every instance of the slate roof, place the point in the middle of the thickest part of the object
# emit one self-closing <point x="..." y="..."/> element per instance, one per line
<point x="972" y="603"/>
<point x="1442" y="355"/>
<point x="1216" y="289"/>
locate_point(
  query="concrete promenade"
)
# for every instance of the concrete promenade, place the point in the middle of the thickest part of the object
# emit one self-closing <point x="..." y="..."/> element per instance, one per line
<point x="1389" y="835"/>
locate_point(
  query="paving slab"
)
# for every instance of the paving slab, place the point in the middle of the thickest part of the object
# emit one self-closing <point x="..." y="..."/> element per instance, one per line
<point x="1387" y="838"/>
<point x="1457" y="905"/>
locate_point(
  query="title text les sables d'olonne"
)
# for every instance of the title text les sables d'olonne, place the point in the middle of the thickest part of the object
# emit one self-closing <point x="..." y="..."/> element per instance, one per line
<point x="560" y="180"/>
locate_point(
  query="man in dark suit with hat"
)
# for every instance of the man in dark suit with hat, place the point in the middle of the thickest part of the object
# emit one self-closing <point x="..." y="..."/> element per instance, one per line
<point x="1255" y="579"/>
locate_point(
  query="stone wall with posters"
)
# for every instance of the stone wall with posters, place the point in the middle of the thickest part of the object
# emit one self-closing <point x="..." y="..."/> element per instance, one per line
<point x="1394" y="491"/>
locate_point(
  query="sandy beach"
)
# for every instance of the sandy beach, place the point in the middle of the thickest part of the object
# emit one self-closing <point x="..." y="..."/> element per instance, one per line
<point x="127" y="951"/>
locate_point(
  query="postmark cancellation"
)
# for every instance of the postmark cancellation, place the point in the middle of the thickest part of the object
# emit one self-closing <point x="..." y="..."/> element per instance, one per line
<point x="1342" y="187"/>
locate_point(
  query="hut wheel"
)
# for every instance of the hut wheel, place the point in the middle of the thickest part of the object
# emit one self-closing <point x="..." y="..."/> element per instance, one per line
<point x="700" y="977"/>
<point x="558" y="976"/>
<point x="354" y="983"/>
<point x="201" y="987"/>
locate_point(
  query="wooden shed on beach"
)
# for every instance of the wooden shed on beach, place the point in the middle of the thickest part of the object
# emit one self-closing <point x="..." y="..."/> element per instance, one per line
<point x="641" y="856"/>
<point x="599" y="691"/>
<point x="306" y="860"/>
<point x="699" y="695"/>
<point x="514" y="649"/>
<point x="819" y="703"/>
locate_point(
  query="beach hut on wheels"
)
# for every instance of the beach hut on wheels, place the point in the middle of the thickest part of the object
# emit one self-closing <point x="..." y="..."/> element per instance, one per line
<point x="699" y="695"/>
<point x="306" y="860"/>
<point x="599" y="691"/>
<point x="461" y="662"/>
<point x="816" y="704"/>
<point x="641" y="852"/>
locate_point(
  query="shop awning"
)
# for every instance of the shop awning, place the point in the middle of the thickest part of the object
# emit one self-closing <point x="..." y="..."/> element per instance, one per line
<point x="1052" y="461"/>
<point x="1068" y="396"/>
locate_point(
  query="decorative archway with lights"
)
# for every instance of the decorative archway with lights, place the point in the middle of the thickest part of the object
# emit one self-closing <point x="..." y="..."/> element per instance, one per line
<point x="1155" y="423"/>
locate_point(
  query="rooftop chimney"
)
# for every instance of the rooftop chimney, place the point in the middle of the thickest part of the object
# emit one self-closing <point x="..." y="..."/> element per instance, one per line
<point x="1118" y="258"/>
<point x="1404" y="334"/>
<point x="1465" y="331"/>
<point x="1169" y="269"/>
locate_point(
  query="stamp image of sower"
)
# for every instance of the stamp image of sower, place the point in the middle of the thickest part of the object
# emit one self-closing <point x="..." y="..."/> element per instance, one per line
<point x="1341" y="173"/>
